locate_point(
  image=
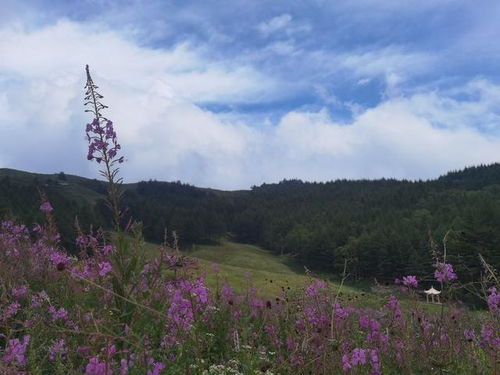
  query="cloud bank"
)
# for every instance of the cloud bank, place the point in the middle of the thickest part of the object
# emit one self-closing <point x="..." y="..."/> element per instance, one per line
<point x="184" y="112"/>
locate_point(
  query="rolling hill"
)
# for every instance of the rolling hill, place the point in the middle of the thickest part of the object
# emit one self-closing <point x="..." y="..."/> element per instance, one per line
<point x="383" y="228"/>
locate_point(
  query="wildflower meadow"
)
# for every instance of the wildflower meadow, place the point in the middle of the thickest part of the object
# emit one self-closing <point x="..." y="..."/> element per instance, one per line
<point x="111" y="309"/>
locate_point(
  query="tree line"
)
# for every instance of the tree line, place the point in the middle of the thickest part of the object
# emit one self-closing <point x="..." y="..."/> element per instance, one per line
<point x="381" y="228"/>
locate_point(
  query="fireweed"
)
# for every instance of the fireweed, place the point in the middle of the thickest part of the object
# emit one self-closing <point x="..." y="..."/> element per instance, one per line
<point x="103" y="144"/>
<point x="112" y="310"/>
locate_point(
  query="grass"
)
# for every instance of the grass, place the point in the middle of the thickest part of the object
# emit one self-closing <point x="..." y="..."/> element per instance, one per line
<point x="242" y="265"/>
<point x="270" y="273"/>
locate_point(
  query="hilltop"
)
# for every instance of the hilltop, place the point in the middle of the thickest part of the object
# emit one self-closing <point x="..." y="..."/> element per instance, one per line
<point x="382" y="227"/>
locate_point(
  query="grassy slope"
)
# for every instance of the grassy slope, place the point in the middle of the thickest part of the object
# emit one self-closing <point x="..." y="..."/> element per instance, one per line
<point x="269" y="273"/>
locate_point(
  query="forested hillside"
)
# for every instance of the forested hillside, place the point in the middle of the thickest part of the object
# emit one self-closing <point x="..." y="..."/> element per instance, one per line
<point x="383" y="227"/>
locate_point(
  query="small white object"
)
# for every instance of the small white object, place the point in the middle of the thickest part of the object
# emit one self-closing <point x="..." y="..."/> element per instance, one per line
<point x="432" y="292"/>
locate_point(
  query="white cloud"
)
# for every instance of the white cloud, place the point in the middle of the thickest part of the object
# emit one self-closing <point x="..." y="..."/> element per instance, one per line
<point x="154" y="98"/>
<point x="395" y="139"/>
<point x="286" y="48"/>
<point x="275" y="24"/>
<point x="475" y="105"/>
<point x="282" y="24"/>
<point x="393" y="64"/>
<point x="363" y="81"/>
<point x="64" y="48"/>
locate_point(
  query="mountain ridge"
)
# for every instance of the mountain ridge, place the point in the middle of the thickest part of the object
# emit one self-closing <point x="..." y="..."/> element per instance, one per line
<point x="381" y="227"/>
<point x="453" y="176"/>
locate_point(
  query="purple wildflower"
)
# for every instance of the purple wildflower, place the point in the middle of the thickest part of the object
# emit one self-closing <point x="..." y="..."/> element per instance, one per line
<point x="156" y="369"/>
<point x="59" y="260"/>
<point x="101" y="136"/>
<point x="123" y="367"/>
<point x="410" y="281"/>
<point x="46" y="207"/>
<point x="227" y="292"/>
<point x="494" y="300"/>
<point x="107" y="249"/>
<point x="38" y="299"/>
<point x="15" y="351"/>
<point x="58" y="314"/>
<point x="489" y="337"/>
<point x="364" y="321"/>
<point x="375" y="362"/>
<point x="469" y="334"/>
<point x="96" y="367"/>
<point x="200" y="291"/>
<point x="58" y="348"/>
<point x="346" y="363"/>
<point x="314" y="288"/>
<point x="395" y="307"/>
<point x="104" y="268"/>
<point x="11" y="310"/>
<point x="180" y="311"/>
<point x="444" y="272"/>
<point x="358" y="357"/>
<point x="20" y="291"/>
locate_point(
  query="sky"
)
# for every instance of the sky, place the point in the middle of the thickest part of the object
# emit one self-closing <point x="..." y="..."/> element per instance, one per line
<point x="231" y="94"/>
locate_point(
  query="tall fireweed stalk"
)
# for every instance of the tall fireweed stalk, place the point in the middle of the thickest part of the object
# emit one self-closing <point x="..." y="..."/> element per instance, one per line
<point x="104" y="149"/>
<point x="103" y="145"/>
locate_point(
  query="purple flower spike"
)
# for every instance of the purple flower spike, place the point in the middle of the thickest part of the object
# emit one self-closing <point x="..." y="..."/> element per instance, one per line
<point x="103" y="144"/>
<point x="15" y="351"/>
<point x="444" y="272"/>
<point x="104" y="268"/>
<point x="46" y="207"/>
<point x="410" y="281"/>
<point x="494" y="301"/>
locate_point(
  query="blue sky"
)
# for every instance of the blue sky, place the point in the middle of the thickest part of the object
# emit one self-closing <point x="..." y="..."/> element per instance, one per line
<point x="233" y="94"/>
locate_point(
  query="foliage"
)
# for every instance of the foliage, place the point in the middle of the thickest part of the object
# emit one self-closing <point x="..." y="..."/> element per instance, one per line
<point x="62" y="315"/>
<point x="381" y="227"/>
